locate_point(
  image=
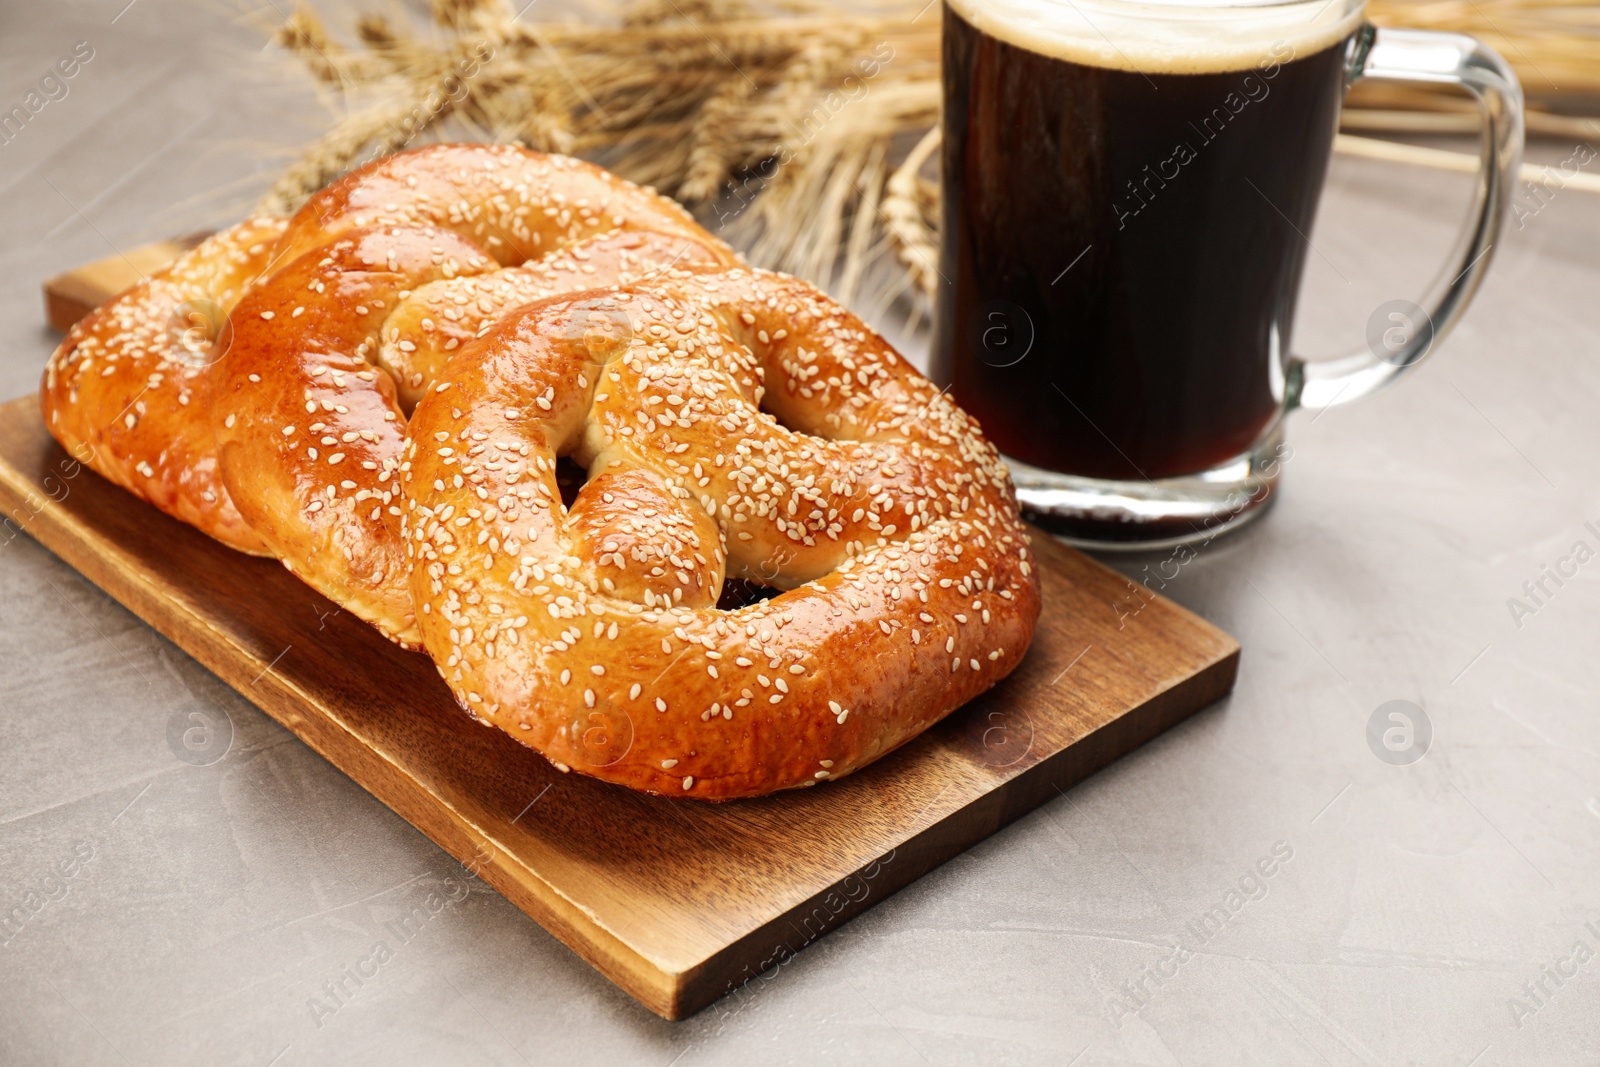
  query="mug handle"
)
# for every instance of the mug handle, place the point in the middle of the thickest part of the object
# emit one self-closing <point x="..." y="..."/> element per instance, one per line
<point x="1439" y="59"/>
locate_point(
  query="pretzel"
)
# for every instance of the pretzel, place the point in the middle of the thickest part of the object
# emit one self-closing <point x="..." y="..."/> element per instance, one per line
<point x="331" y="349"/>
<point x="132" y="381"/>
<point x="733" y="423"/>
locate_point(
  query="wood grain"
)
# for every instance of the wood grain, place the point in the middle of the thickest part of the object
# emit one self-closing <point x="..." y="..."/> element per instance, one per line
<point x="677" y="902"/>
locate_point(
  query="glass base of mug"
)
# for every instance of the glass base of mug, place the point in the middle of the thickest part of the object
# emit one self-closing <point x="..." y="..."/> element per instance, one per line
<point x="1134" y="516"/>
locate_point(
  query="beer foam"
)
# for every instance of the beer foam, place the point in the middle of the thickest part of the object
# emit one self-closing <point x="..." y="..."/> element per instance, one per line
<point x="1167" y="36"/>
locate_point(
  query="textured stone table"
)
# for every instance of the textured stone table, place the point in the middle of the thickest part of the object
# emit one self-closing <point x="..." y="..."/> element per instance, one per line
<point x="210" y="908"/>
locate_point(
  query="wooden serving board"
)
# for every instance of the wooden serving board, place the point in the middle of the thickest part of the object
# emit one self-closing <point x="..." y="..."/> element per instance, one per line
<point x="676" y="901"/>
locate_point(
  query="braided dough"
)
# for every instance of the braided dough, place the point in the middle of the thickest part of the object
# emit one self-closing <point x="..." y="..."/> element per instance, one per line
<point x="736" y="423"/>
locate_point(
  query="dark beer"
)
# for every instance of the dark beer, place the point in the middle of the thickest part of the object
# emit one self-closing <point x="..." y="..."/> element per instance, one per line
<point x="1122" y="248"/>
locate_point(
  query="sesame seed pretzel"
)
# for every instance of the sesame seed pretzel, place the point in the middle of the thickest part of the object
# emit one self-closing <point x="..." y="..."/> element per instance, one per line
<point x="331" y="349"/>
<point x="733" y="423"/>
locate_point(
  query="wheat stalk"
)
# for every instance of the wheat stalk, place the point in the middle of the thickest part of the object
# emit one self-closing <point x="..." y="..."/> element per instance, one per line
<point x="906" y="211"/>
<point x="768" y="119"/>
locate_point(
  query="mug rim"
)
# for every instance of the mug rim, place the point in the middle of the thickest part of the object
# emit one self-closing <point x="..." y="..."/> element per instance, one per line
<point x="1175" y="36"/>
<point x="1166" y="7"/>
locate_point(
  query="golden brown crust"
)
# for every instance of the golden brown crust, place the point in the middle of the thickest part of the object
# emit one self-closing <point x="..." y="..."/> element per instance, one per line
<point x="309" y="432"/>
<point x="331" y="349"/>
<point x="514" y="204"/>
<point x="191" y="389"/>
<point x="874" y="499"/>
<point x="127" y="389"/>
<point x="435" y="320"/>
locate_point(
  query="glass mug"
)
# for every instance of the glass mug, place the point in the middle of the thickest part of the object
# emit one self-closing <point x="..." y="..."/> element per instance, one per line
<point x="1127" y="190"/>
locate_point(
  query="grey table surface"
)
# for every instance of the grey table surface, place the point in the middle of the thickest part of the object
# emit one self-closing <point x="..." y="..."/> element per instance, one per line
<point x="1441" y="912"/>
